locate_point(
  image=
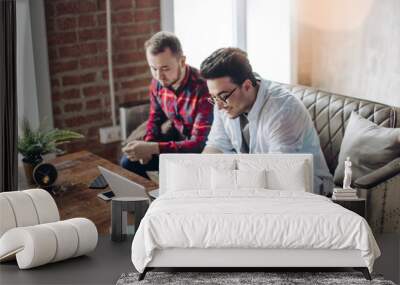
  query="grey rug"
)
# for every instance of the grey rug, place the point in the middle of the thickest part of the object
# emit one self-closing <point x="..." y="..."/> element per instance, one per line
<point x="229" y="278"/>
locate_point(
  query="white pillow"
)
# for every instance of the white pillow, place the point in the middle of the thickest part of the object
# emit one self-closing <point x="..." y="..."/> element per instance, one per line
<point x="251" y="178"/>
<point x="186" y="175"/>
<point x="225" y="179"/>
<point x="282" y="174"/>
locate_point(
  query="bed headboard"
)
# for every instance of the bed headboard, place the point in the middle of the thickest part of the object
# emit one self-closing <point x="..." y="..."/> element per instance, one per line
<point x="283" y="169"/>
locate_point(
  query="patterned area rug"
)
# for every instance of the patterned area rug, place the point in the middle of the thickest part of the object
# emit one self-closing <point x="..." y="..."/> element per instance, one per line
<point x="230" y="278"/>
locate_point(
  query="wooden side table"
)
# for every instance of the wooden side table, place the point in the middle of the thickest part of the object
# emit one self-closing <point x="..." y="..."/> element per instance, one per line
<point x="357" y="205"/>
<point x="119" y="209"/>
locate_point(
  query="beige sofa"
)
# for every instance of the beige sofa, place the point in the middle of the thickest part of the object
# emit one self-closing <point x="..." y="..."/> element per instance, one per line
<point x="330" y="113"/>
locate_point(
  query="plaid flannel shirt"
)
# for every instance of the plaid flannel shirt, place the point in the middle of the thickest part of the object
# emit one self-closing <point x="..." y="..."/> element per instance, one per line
<point x="187" y="108"/>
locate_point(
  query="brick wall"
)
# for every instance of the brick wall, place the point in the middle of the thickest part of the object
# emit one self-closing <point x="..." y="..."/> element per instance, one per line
<point x="76" y="32"/>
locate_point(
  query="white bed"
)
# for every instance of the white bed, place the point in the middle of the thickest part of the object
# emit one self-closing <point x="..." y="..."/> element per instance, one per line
<point x="202" y="219"/>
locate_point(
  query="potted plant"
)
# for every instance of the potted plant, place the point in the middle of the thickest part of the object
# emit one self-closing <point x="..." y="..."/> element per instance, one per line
<point x="33" y="144"/>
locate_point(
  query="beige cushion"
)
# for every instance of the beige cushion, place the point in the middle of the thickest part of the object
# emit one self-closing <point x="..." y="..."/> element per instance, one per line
<point x="369" y="147"/>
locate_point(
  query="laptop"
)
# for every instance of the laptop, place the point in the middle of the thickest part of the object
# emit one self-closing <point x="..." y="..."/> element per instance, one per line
<point x="123" y="188"/>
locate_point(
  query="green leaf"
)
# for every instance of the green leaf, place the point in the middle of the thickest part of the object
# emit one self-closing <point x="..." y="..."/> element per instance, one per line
<point x="34" y="143"/>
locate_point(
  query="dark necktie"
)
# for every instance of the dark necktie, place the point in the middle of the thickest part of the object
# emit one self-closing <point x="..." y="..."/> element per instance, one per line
<point x="244" y="127"/>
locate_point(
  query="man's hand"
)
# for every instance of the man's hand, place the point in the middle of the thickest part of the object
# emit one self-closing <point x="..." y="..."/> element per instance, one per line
<point x="141" y="150"/>
<point x="211" y="149"/>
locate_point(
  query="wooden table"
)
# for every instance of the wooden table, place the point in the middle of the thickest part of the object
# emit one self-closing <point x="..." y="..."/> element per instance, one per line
<point x="74" y="199"/>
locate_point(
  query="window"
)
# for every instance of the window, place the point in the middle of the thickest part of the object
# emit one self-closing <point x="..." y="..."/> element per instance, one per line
<point x="203" y="26"/>
<point x="263" y="28"/>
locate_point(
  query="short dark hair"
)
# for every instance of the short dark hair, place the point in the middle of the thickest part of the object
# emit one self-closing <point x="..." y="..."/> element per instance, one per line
<point x="162" y="40"/>
<point x="232" y="62"/>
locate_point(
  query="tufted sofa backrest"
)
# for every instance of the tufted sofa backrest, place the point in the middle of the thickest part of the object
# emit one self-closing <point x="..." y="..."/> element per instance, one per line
<point x="330" y="113"/>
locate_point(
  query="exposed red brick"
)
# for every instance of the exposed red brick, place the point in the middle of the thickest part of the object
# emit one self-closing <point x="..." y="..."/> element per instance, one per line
<point x="78" y="50"/>
<point x="128" y="71"/>
<point x="53" y="55"/>
<point x="133" y="30"/>
<point x="56" y="97"/>
<point x="147" y="15"/>
<point x="95" y="90"/>
<point x="56" y="110"/>
<point x="60" y="67"/>
<point x="101" y="19"/>
<point x="50" y="25"/>
<point x="86" y="6"/>
<point x="140" y="42"/>
<point x="49" y="9"/>
<point x="93" y="131"/>
<point x="102" y="46"/>
<point x="78" y="79"/>
<point x="71" y="94"/>
<point x="133" y="56"/>
<point x="68" y="23"/>
<point x="66" y="8"/>
<point x="123" y="17"/>
<point x="72" y="107"/>
<point x="55" y="82"/>
<point x="147" y="3"/>
<point x="92" y="34"/>
<point x="96" y="117"/>
<point x="61" y="38"/>
<point x="85" y="21"/>
<point x="121" y="4"/>
<point x="136" y="83"/>
<point x="95" y="61"/>
<point x="58" y="123"/>
<point x="125" y="44"/>
<point x="131" y="97"/>
<point x="75" y="121"/>
<point x="155" y="27"/>
<point x="93" y="104"/>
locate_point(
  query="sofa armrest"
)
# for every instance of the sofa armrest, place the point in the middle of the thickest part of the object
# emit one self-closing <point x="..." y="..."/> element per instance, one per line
<point x="383" y="201"/>
<point x="378" y="176"/>
<point x="132" y="116"/>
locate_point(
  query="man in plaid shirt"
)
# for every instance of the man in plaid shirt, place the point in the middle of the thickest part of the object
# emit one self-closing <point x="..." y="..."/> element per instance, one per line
<point x="178" y="94"/>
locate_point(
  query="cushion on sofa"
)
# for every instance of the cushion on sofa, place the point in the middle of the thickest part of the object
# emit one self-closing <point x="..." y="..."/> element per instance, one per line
<point x="369" y="147"/>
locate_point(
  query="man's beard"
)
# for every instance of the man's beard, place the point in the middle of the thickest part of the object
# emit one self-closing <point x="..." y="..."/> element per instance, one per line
<point x="170" y="85"/>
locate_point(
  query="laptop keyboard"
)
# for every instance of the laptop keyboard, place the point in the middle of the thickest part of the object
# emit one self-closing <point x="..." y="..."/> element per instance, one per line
<point x="98" y="183"/>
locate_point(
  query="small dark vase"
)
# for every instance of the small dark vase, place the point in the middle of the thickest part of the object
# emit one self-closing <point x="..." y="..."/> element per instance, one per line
<point x="29" y="165"/>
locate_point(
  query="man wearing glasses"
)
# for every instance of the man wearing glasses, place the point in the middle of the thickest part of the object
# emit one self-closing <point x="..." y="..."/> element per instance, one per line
<point x="258" y="116"/>
<point x="178" y="95"/>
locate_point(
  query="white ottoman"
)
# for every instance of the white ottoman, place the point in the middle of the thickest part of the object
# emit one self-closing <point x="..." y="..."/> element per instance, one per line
<point x="31" y="232"/>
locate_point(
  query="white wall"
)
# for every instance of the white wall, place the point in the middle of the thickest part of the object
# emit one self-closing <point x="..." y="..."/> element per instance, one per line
<point x="351" y="47"/>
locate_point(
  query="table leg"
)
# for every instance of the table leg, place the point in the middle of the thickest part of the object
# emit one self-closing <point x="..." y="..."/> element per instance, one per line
<point x="140" y="211"/>
<point x="116" y="221"/>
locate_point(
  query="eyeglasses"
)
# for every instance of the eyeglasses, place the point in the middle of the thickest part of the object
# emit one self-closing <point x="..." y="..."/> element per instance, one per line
<point x="214" y="99"/>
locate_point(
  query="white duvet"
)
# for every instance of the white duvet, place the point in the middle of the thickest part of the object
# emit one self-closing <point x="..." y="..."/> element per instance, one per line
<point x="250" y="219"/>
